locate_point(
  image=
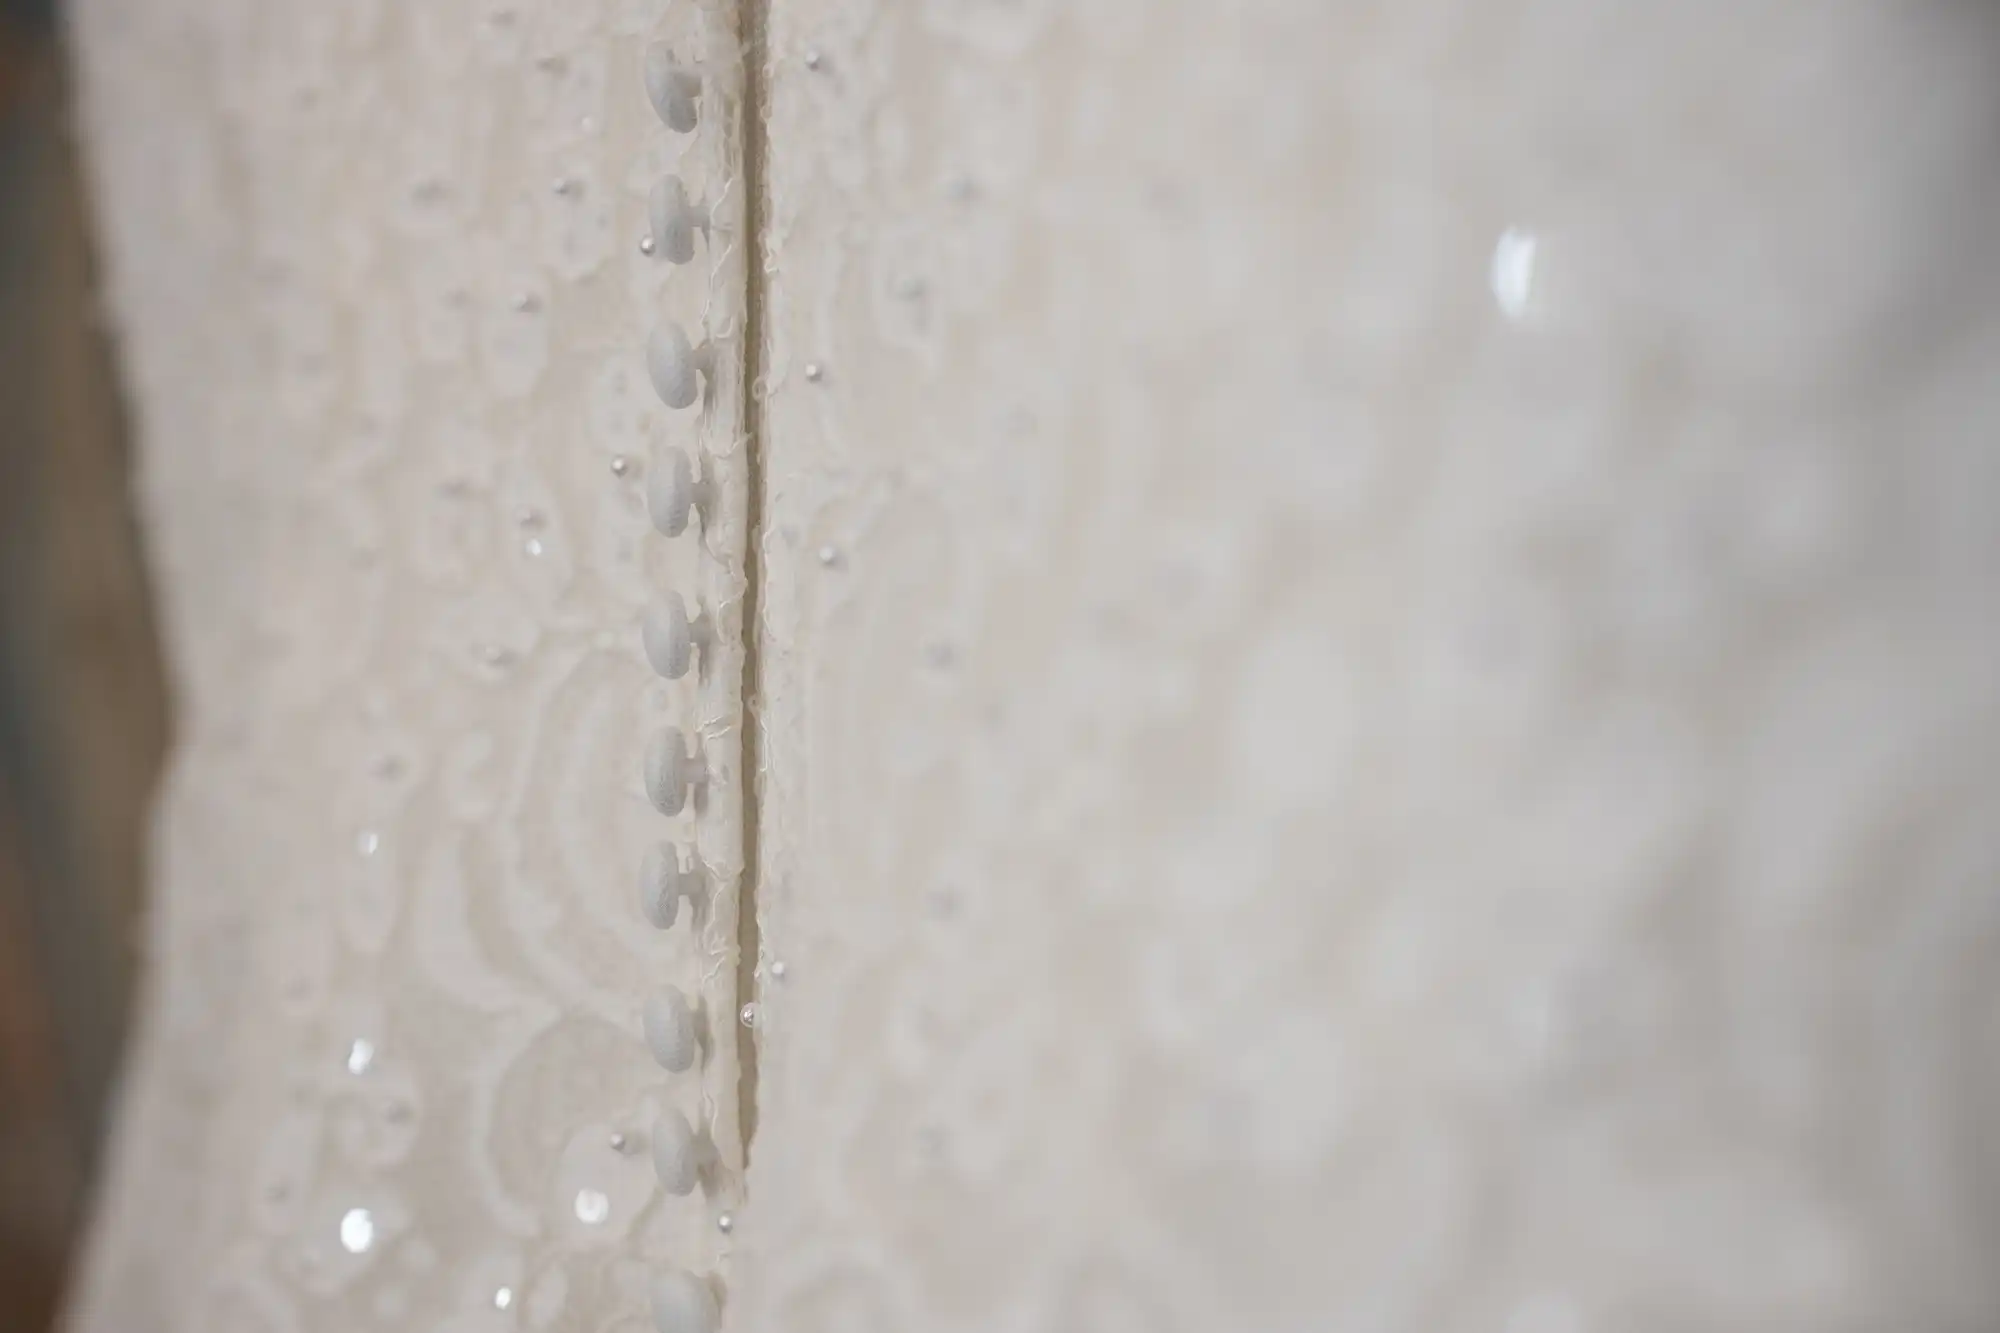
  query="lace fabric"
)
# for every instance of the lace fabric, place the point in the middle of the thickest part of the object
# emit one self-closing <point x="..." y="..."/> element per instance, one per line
<point x="1373" y="699"/>
<point x="1372" y="718"/>
<point x="387" y="317"/>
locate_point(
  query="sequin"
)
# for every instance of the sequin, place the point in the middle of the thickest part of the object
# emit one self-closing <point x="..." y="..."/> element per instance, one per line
<point x="357" y="1230"/>
<point x="592" y="1207"/>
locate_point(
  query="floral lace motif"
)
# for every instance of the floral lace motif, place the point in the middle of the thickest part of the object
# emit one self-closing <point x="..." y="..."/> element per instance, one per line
<point x="1376" y="686"/>
<point x="386" y="305"/>
<point x="1369" y="721"/>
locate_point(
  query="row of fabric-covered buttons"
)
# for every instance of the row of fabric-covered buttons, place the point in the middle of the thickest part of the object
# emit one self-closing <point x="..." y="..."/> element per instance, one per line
<point x="675" y="771"/>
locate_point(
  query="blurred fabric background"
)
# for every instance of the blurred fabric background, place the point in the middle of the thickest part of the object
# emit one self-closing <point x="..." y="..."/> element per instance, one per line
<point x="82" y="712"/>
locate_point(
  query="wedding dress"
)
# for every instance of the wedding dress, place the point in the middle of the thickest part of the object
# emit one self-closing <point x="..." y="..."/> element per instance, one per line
<point x="1032" y="667"/>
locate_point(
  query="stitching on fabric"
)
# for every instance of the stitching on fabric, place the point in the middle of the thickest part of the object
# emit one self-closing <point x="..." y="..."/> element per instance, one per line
<point x="755" y="16"/>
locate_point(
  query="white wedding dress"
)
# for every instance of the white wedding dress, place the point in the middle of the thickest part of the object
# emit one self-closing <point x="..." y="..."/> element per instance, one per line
<point x="1342" y="656"/>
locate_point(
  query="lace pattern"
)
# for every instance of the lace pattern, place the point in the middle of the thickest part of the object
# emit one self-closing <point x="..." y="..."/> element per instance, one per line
<point x="1374" y="688"/>
<point x="1368" y="724"/>
<point x="386" y="311"/>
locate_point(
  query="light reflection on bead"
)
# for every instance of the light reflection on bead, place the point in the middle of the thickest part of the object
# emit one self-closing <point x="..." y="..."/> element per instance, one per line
<point x="645" y="245"/>
<point x="368" y="842"/>
<point x="778" y="969"/>
<point x="503" y="1298"/>
<point x="618" y="1140"/>
<point x="748" y="1015"/>
<point x="592" y="1207"/>
<point x="620" y="466"/>
<point x="360" y="1055"/>
<point x="725" y="1223"/>
<point x="829" y="556"/>
<point x="815" y="372"/>
<point x="814" y="59"/>
<point x="357" y="1230"/>
<point x="533" y="546"/>
<point x="1512" y="275"/>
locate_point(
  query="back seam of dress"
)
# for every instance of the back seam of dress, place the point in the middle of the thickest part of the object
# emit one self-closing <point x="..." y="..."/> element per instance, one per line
<point x="749" y="942"/>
